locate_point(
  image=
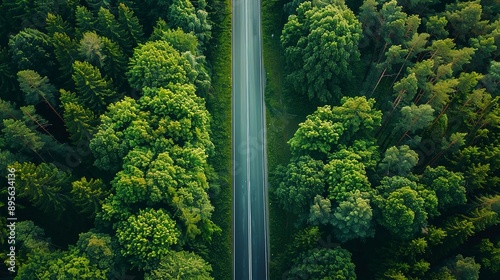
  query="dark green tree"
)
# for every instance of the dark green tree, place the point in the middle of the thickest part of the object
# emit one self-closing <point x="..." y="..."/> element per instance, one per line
<point x="130" y="24"/>
<point x="93" y="91"/>
<point x="44" y="185"/>
<point x="449" y="186"/>
<point x="302" y="180"/>
<point x="320" y="43"/>
<point x="402" y="212"/>
<point x="108" y="26"/>
<point x="491" y="255"/>
<point x="32" y="49"/>
<point x="80" y="122"/>
<point x="323" y="263"/>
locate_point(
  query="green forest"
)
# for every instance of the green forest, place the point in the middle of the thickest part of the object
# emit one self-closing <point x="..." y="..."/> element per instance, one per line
<point x="383" y="126"/>
<point x="384" y="138"/>
<point x="115" y="162"/>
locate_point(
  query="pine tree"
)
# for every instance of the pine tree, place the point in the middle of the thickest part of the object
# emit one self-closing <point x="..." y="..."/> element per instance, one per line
<point x="44" y="185"/>
<point x="93" y="90"/>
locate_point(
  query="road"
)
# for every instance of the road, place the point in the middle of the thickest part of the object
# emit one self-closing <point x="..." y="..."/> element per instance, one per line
<point x="250" y="218"/>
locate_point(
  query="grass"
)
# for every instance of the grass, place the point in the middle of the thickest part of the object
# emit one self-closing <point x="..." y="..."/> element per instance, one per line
<point x="219" y="105"/>
<point x="283" y="116"/>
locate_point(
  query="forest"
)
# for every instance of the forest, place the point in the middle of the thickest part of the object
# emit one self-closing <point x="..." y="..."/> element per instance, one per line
<point x="383" y="122"/>
<point x="107" y="139"/>
<point x="389" y="112"/>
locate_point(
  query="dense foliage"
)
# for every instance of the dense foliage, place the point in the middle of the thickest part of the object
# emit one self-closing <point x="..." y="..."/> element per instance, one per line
<point x="397" y="159"/>
<point x="105" y="122"/>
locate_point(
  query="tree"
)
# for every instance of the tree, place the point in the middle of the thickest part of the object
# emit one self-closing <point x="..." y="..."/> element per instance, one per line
<point x="465" y="18"/>
<point x="318" y="134"/>
<point x="183" y="14"/>
<point x="353" y="218"/>
<point x="175" y="178"/>
<point x="91" y="49"/>
<point x="320" y="211"/>
<point x="402" y="212"/>
<point x="85" y="21"/>
<point x="147" y="237"/>
<point x="105" y="54"/>
<point x="98" y="248"/>
<point x="328" y="126"/>
<point x="108" y="26"/>
<point x="436" y="26"/>
<point x="345" y="176"/>
<point x="160" y="119"/>
<point x="156" y="64"/>
<point x="130" y="24"/>
<point x="181" y="265"/>
<point x="66" y="52"/>
<point x="358" y="116"/>
<point x="187" y="45"/>
<point x="81" y="123"/>
<point x="323" y="264"/>
<point x="29" y="238"/>
<point x="44" y="185"/>
<point x="89" y="195"/>
<point x="302" y="180"/>
<point x="36" y="88"/>
<point x="449" y="186"/>
<point x="320" y="43"/>
<point x="398" y="161"/>
<point x="32" y="49"/>
<point x="56" y="24"/>
<point x="491" y="252"/>
<point x="463" y="268"/>
<point x="177" y="38"/>
<point x="60" y="265"/>
<point x="93" y="90"/>
<point x="21" y="137"/>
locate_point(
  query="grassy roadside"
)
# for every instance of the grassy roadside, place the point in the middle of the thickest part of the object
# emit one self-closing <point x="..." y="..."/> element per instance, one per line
<point x="282" y="120"/>
<point x="219" y="106"/>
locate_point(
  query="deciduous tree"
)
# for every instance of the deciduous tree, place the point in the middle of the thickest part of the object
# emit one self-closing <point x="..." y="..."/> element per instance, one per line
<point x="323" y="263"/>
<point x="181" y="265"/>
<point x="320" y="43"/>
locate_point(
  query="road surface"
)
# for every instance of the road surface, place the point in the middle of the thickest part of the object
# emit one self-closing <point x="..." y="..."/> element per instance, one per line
<point x="250" y="219"/>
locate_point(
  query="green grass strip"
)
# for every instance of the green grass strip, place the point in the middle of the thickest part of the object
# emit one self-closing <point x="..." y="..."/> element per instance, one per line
<point x="219" y="105"/>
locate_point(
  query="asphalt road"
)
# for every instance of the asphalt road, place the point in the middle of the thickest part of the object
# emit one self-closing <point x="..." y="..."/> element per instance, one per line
<point x="250" y="218"/>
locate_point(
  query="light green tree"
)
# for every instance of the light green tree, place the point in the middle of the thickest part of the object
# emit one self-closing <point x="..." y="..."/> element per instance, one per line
<point x="147" y="237"/>
<point x="345" y="176"/>
<point x="156" y="64"/>
<point x="181" y="265"/>
<point x="402" y="212"/>
<point x="160" y="119"/>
